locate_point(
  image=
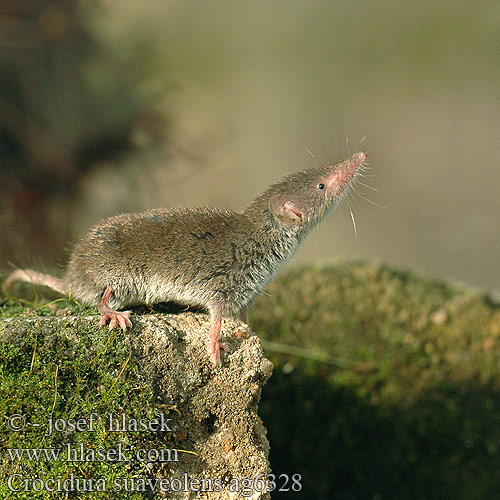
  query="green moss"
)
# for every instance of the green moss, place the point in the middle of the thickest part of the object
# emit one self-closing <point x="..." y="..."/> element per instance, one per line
<point x="66" y="375"/>
<point x="384" y="323"/>
<point x="386" y="384"/>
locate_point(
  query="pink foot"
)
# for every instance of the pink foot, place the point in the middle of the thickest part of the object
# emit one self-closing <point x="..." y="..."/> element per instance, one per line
<point x="214" y="351"/>
<point x="114" y="317"/>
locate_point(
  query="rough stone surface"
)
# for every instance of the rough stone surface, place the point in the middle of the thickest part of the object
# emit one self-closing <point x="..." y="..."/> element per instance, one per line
<point x="216" y="406"/>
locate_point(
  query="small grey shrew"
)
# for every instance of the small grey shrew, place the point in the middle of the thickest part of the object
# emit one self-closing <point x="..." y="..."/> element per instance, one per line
<point x="198" y="256"/>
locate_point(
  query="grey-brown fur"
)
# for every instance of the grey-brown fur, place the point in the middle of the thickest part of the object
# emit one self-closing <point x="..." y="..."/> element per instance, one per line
<point x="193" y="256"/>
<point x="201" y="256"/>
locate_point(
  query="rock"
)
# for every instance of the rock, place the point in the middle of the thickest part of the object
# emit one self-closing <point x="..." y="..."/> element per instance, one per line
<point x="66" y="368"/>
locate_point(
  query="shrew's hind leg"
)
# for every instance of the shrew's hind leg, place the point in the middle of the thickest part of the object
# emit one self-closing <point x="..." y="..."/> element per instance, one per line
<point x="214" y="343"/>
<point x="114" y="317"/>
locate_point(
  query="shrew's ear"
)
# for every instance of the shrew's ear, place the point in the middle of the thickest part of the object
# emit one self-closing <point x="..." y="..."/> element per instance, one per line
<point x="286" y="211"/>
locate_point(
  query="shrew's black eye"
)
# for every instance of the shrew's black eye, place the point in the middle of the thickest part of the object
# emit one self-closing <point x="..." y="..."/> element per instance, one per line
<point x="320" y="186"/>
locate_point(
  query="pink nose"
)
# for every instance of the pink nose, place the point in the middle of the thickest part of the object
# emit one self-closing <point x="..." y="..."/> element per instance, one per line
<point x="345" y="171"/>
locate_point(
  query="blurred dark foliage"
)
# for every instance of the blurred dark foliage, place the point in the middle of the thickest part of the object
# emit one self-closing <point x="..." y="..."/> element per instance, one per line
<point x="405" y="406"/>
<point x="344" y="447"/>
<point x="66" y="103"/>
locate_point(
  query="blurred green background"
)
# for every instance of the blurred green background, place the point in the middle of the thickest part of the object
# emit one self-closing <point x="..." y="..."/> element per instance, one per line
<point x="112" y="106"/>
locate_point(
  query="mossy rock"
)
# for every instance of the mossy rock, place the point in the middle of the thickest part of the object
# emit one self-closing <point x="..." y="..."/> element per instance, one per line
<point x="60" y="366"/>
<point x="386" y="384"/>
<point x="66" y="376"/>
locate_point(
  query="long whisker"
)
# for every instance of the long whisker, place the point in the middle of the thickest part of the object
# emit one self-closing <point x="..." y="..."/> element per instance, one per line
<point x="359" y="143"/>
<point x="353" y="222"/>
<point x="352" y="203"/>
<point x="367" y="186"/>
<point x="304" y="146"/>
<point x="366" y="176"/>
<point x="369" y="201"/>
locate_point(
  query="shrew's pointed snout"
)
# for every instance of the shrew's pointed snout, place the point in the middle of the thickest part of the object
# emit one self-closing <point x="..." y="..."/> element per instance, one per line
<point x="360" y="157"/>
<point x="344" y="171"/>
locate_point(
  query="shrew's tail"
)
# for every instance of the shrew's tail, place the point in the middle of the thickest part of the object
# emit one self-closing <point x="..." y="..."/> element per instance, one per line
<point x="36" y="278"/>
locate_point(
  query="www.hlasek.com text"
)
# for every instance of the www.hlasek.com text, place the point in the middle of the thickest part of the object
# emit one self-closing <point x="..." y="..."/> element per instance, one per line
<point x="79" y="453"/>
